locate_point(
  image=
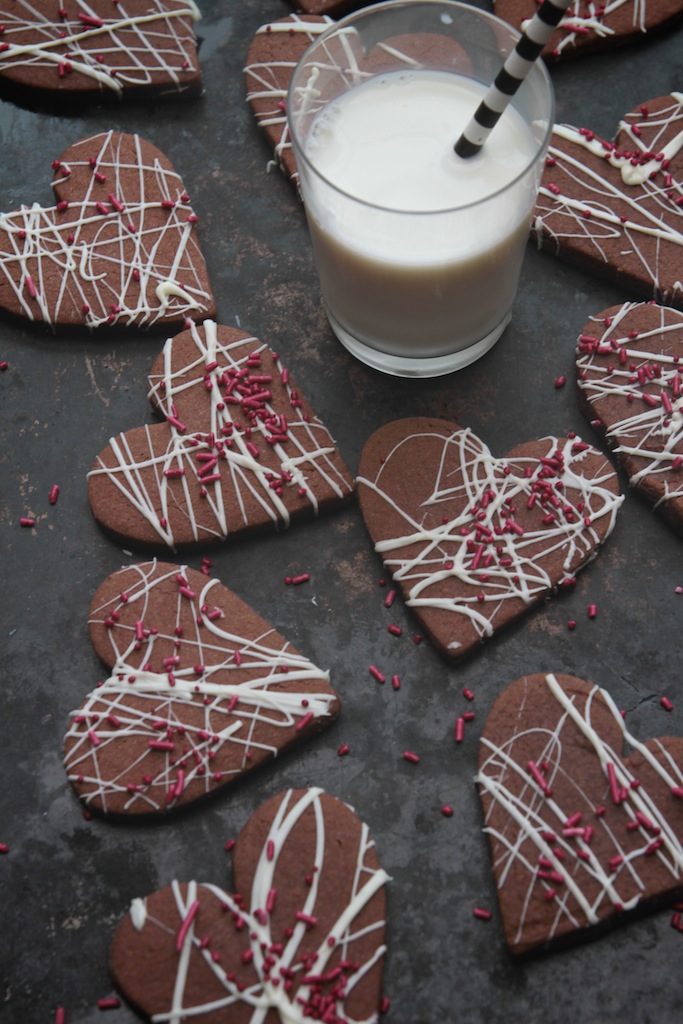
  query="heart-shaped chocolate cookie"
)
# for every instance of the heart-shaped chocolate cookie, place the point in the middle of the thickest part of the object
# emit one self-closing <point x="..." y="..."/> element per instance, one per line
<point x="118" y="247"/>
<point x="473" y="541"/>
<point x="616" y="209"/>
<point x="274" y="53"/>
<point x="99" y="48"/>
<point x="301" y="938"/>
<point x="588" y="26"/>
<point x="630" y="377"/>
<point x="278" y="46"/>
<point x="579" y="834"/>
<point x="201" y="690"/>
<point x="241" y="448"/>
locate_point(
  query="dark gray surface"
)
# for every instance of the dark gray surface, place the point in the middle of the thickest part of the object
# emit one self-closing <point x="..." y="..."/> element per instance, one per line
<point x="66" y="881"/>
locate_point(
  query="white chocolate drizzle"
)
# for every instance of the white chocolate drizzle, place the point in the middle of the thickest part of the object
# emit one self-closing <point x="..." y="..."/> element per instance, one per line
<point x="587" y="18"/>
<point x="304" y="452"/>
<point x="480" y="546"/>
<point x="537" y="832"/>
<point x="135" y="703"/>
<point x="273" y="962"/>
<point x="101" y="258"/>
<point x="120" y="51"/>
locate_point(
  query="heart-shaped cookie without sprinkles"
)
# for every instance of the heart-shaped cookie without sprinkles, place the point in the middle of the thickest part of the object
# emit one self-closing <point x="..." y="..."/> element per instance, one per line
<point x="302" y="936"/>
<point x="580" y="833"/>
<point x="201" y="690"/>
<point x="97" y="49"/>
<point x="616" y="209"/>
<point x="278" y="46"/>
<point x="119" y="245"/>
<point x="473" y="541"/>
<point x="240" y="449"/>
<point x="630" y="377"/>
<point x="587" y="27"/>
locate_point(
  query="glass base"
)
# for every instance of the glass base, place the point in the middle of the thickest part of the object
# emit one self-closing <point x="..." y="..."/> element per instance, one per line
<point x="405" y="366"/>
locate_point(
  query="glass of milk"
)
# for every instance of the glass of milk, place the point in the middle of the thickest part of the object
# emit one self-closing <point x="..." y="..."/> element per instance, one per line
<point x="418" y="251"/>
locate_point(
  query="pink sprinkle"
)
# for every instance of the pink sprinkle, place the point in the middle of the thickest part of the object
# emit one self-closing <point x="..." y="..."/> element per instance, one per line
<point x="447" y="811"/>
<point x="111" y="1003"/>
<point x="185" y="926"/>
<point x="666" y="704"/>
<point x="394" y="630"/>
<point x="343" y="750"/>
<point x="306" y="720"/>
<point x="468" y="694"/>
<point x="408" y="755"/>
<point x="229" y="845"/>
<point x="389" y="599"/>
<point x="677" y="791"/>
<point x="30" y="287"/>
<point x="54" y="494"/>
<point x="396" y="682"/>
<point x="376" y="674"/>
<point x="60" y="1015"/>
<point x="538" y="777"/>
<point x="482" y="914"/>
<point x="560" y="381"/>
<point x="592" y="611"/>
<point x="306" y="918"/>
<point x="4" y="848"/>
<point x="459" y="730"/>
<point x="613" y="784"/>
<point x="27" y="521"/>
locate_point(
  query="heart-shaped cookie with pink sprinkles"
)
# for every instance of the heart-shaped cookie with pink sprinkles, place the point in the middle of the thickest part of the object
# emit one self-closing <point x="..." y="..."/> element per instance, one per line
<point x="97" y="49"/>
<point x="301" y="936"/>
<point x="473" y="541"/>
<point x="630" y="378"/>
<point x="201" y="690"/>
<point x="587" y="26"/>
<point x="119" y="245"/>
<point x="615" y="209"/>
<point x="579" y="833"/>
<point x="240" y="449"/>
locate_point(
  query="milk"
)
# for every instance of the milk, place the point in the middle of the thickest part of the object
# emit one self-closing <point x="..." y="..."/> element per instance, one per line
<point x="418" y="251"/>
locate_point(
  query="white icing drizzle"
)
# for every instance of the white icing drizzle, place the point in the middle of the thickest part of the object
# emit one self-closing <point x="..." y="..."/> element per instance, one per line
<point x="613" y="365"/>
<point x="151" y="42"/>
<point x="647" y="204"/>
<point x="268" y="992"/>
<point x="133" y="702"/>
<point x="537" y="822"/>
<point x="306" y="451"/>
<point x="477" y="545"/>
<point x="85" y="258"/>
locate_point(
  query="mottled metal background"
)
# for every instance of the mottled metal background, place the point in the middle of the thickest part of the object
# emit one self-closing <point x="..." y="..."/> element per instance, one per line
<point x="66" y="881"/>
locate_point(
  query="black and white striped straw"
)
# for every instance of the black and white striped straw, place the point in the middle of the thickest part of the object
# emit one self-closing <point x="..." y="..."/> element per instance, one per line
<point x="511" y="75"/>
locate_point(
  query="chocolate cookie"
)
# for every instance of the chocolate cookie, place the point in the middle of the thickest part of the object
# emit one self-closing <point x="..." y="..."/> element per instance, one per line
<point x="240" y="449"/>
<point x="580" y="835"/>
<point x="119" y="246"/>
<point x="630" y="378"/>
<point x="474" y="541"/>
<point x="201" y="690"/>
<point x="271" y="59"/>
<point x="301" y="937"/>
<point x="616" y="209"/>
<point x="74" y="50"/>
<point x="278" y="46"/>
<point x="587" y="26"/>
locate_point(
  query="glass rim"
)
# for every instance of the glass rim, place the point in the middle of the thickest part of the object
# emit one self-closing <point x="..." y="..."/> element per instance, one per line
<point x="539" y="67"/>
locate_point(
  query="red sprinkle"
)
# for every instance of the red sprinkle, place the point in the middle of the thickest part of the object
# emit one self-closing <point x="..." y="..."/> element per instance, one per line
<point x="54" y="494"/>
<point x="111" y="1003"/>
<point x="447" y="811"/>
<point x="27" y="521"/>
<point x="408" y="755"/>
<point x="343" y="750"/>
<point x="4" y="848"/>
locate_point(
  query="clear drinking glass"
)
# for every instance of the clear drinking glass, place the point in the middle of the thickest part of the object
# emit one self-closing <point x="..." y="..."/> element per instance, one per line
<point x="418" y="251"/>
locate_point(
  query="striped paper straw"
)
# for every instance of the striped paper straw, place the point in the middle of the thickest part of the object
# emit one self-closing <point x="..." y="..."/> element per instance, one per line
<point x="511" y="75"/>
